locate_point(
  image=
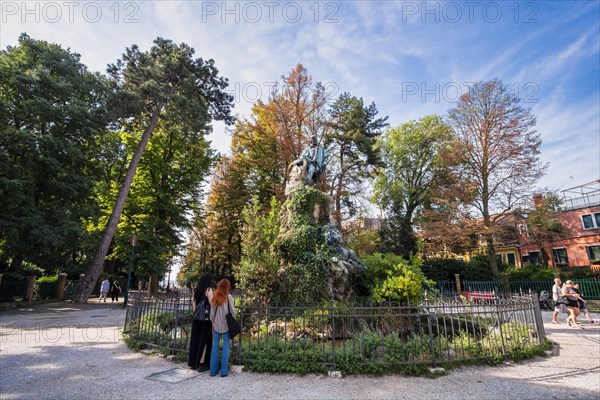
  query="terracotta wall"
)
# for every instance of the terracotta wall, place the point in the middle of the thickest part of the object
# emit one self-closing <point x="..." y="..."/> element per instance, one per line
<point x="574" y="240"/>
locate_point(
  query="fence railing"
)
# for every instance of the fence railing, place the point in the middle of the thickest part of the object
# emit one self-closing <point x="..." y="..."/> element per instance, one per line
<point x="355" y="338"/>
<point x="590" y="288"/>
<point x="160" y="322"/>
<point x="12" y="291"/>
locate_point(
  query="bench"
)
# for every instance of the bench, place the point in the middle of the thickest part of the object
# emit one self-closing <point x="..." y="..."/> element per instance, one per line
<point x="479" y="295"/>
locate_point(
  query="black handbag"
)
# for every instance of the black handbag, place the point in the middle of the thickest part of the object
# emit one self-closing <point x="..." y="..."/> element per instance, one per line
<point x="202" y="311"/>
<point x="562" y="300"/>
<point x="232" y="324"/>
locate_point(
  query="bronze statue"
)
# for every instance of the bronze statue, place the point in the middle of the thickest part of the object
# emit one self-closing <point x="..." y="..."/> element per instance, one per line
<point x="316" y="159"/>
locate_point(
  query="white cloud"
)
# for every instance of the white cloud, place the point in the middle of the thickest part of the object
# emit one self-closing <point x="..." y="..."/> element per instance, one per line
<point x="373" y="51"/>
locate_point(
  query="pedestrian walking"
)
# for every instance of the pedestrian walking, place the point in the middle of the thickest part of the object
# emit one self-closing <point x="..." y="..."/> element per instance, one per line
<point x="572" y="304"/>
<point x="104" y="290"/>
<point x="582" y="303"/>
<point x="115" y="290"/>
<point x="556" y="293"/>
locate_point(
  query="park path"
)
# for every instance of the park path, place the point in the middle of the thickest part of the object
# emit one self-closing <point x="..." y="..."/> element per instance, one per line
<point x="64" y="351"/>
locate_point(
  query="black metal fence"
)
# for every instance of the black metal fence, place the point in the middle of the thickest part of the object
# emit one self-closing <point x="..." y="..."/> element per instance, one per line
<point x="355" y="337"/>
<point x="163" y="322"/>
<point x="12" y="291"/>
<point x="590" y="288"/>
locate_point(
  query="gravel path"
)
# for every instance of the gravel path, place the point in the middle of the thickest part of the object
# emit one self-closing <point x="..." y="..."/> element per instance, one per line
<point x="62" y="351"/>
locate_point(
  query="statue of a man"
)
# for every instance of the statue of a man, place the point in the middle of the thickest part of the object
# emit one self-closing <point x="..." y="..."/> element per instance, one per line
<point x="316" y="158"/>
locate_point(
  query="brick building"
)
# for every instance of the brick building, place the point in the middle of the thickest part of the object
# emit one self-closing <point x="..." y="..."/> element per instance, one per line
<point x="579" y="244"/>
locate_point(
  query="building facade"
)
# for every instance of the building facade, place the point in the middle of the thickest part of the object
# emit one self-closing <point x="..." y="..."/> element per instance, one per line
<point x="579" y="244"/>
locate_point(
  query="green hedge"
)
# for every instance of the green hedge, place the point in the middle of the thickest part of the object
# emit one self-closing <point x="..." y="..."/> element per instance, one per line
<point x="46" y="287"/>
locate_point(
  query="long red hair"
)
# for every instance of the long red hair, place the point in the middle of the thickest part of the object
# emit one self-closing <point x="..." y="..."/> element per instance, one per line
<point x="221" y="293"/>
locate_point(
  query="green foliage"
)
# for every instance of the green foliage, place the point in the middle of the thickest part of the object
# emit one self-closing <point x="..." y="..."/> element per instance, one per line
<point x="300" y="206"/>
<point x="47" y="286"/>
<point x="478" y="269"/>
<point x="155" y="329"/>
<point x="363" y="241"/>
<point x="585" y="273"/>
<point x="533" y="272"/>
<point x="53" y="112"/>
<point x="30" y="269"/>
<point x="411" y="170"/>
<point x="374" y="353"/>
<point x="443" y="269"/>
<point x="543" y="224"/>
<point x="257" y="272"/>
<point x="301" y="249"/>
<point x="393" y="277"/>
<point x="351" y="139"/>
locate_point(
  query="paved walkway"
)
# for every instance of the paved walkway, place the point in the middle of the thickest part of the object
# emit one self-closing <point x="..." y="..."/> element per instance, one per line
<point x="63" y="351"/>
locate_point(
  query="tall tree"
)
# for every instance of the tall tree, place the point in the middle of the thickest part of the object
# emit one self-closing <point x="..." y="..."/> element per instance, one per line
<point x="223" y="218"/>
<point x="166" y="190"/>
<point x="412" y="167"/>
<point x="542" y="222"/>
<point x="267" y="143"/>
<point x="51" y="115"/>
<point x="262" y="148"/>
<point x="497" y="150"/>
<point x="351" y="138"/>
<point x="163" y="84"/>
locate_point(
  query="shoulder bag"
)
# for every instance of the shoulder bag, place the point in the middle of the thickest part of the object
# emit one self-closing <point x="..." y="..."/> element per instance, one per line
<point x="232" y="324"/>
<point x="202" y="311"/>
<point x="562" y="300"/>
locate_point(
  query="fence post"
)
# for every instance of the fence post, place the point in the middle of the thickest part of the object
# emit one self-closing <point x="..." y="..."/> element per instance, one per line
<point x="29" y="289"/>
<point x="430" y="331"/>
<point x="458" y="287"/>
<point x="497" y="304"/>
<point x="1" y="279"/>
<point x="537" y="313"/>
<point x="506" y="284"/>
<point x="333" y="332"/>
<point x="241" y="314"/>
<point x="62" y="282"/>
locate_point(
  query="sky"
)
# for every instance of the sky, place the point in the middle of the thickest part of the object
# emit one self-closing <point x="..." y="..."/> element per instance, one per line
<point x="411" y="58"/>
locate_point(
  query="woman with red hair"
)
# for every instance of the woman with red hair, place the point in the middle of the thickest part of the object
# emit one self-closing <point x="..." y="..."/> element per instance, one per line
<point x="222" y="304"/>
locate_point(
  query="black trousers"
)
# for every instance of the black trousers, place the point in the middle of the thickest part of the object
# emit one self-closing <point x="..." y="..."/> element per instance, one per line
<point x="114" y="295"/>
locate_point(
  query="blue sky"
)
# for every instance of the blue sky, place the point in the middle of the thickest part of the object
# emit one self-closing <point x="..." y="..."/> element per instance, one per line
<point x="411" y="58"/>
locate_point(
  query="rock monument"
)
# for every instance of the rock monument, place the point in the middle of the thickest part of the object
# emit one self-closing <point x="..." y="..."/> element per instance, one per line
<point x="315" y="264"/>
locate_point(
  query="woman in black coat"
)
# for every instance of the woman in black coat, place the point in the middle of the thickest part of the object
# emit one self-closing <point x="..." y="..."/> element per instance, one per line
<point x="201" y="338"/>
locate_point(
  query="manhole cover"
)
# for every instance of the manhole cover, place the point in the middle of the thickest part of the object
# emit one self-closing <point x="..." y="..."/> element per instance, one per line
<point x="174" y="375"/>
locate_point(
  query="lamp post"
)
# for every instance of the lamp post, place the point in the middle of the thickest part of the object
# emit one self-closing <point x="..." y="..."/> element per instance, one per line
<point x="132" y="242"/>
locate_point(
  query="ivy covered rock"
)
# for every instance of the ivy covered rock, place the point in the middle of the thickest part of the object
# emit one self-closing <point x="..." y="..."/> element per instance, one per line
<point x="314" y="264"/>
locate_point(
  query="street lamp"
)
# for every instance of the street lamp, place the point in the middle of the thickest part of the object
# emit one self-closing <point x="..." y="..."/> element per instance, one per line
<point x="169" y="270"/>
<point x="132" y="242"/>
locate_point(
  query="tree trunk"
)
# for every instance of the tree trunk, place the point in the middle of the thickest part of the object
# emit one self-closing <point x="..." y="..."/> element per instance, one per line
<point x="491" y="253"/>
<point x="338" y="195"/>
<point x="16" y="264"/>
<point x="95" y="268"/>
<point x="544" y="255"/>
<point x="153" y="285"/>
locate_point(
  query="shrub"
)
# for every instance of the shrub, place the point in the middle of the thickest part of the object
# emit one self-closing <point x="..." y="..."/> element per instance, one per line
<point x="259" y="265"/>
<point x="392" y="277"/>
<point x="443" y="269"/>
<point x="533" y="272"/>
<point x="585" y="273"/>
<point x="31" y="269"/>
<point x="363" y="241"/>
<point x="47" y="287"/>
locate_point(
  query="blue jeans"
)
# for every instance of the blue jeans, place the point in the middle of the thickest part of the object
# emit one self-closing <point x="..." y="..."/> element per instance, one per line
<point x="214" y="354"/>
